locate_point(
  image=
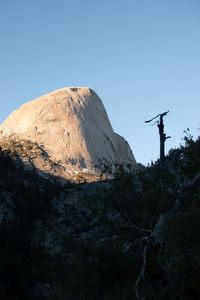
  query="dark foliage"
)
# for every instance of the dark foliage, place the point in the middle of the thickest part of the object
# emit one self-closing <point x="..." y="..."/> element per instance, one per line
<point x="125" y="260"/>
<point x="31" y="196"/>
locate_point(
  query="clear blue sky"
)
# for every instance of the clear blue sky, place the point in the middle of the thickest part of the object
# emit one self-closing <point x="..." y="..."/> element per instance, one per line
<point x="142" y="57"/>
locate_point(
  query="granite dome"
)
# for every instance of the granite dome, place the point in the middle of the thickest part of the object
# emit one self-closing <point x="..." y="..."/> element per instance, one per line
<point x="72" y="126"/>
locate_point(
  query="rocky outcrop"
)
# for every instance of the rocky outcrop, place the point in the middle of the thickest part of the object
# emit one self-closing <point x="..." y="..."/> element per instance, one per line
<point x="72" y="127"/>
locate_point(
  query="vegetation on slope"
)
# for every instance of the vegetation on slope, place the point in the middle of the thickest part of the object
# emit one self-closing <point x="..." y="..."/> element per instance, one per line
<point x="136" y="236"/>
<point x="24" y="197"/>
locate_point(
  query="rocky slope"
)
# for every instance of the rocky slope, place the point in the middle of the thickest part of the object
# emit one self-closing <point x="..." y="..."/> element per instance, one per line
<point x="71" y="126"/>
<point x="133" y="237"/>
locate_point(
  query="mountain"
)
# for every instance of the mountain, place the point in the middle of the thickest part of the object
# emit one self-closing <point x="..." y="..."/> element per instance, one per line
<point x="72" y="130"/>
<point x="134" y="235"/>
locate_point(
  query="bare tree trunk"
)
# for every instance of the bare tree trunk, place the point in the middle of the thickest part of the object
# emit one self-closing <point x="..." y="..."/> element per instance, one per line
<point x="163" y="137"/>
<point x="162" y="148"/>
<point x="157" y="237"/>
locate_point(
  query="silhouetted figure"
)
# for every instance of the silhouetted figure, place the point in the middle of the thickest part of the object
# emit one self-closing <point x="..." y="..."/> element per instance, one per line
<point x="163" y="137"/>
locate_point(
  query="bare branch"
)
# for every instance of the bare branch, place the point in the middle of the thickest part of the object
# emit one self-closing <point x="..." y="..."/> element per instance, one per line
<point x="141" y="229"/>
<point x="167" y="137"/>
<point x="156" y="122"/>
<point x="152" y="119"/>
<point x="141" y="275"/>
<point x="159" y="115"/>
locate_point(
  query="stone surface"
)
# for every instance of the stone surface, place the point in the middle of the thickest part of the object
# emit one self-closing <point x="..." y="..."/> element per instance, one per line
<point x="72" y="126"/>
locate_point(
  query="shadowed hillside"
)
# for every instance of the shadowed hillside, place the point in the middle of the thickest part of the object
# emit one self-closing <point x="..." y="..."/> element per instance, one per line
<point x="133" y="237"/>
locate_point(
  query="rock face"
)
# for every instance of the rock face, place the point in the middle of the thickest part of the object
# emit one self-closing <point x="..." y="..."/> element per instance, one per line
<point x="72" y="126"/>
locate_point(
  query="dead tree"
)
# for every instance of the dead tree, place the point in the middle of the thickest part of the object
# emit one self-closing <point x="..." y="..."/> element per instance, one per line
<point x="163" y="137"/>
<point x="156" y="238"/>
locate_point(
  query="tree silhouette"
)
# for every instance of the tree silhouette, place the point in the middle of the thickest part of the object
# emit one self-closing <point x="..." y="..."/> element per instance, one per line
<point x="160" y="125"/>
